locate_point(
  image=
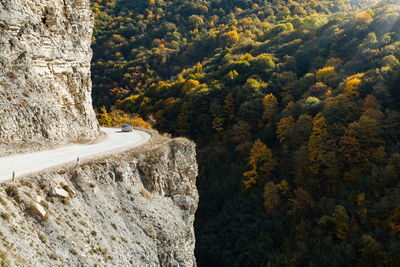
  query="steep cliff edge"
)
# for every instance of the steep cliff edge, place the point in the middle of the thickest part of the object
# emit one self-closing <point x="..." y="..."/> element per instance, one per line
<point x="134" y="209"/>
<point x="45" y="86"/>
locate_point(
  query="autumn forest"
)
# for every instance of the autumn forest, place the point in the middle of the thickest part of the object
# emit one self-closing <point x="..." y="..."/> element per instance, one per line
<point x="295" y="109"/>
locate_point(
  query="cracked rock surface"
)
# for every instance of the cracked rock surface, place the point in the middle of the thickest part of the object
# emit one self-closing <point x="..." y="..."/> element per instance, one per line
<point x="45" y="85"/>
<point x="134" y="209"/>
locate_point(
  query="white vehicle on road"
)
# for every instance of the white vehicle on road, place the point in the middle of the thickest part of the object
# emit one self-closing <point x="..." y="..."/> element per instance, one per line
<point x="127" y="128"/>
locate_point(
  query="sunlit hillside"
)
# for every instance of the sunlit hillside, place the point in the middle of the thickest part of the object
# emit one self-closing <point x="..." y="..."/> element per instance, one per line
<point x="295" y="107"/>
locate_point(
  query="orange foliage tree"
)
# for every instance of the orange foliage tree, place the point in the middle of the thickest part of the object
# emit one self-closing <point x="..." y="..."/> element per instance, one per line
<point x="363" y="18"/>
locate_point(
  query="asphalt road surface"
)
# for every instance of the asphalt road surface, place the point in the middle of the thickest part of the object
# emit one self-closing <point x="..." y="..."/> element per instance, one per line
<point x="28" y="163"/>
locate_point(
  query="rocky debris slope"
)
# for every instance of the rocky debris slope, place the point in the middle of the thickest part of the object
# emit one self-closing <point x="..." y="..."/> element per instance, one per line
<point x="45" y="86"/>
<point x="134" y="209"/>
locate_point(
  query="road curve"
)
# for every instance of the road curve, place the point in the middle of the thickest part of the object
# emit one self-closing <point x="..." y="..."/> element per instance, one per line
<point x="28" y="163"/>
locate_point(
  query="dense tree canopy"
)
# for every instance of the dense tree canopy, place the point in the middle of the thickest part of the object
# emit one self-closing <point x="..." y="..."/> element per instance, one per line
<point x="295" y="107"/>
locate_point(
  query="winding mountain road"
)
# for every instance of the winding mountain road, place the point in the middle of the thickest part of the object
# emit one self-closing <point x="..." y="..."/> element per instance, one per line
<point x="28" y="163"/>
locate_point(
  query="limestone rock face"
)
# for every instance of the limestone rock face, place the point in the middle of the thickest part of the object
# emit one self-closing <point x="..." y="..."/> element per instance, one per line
<point x="37" y="209"/>
<point x="59" y="192"/>
<point x="45" y="85"/>
<point x="131" y="209"/>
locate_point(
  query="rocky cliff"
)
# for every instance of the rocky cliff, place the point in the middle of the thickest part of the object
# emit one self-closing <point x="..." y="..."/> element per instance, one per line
<point x="45" y="86"/>
<point x="132" y="209"/>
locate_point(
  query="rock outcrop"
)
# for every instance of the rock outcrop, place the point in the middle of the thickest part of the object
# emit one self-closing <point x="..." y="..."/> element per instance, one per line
<point x="45" y="86"/>
<point x="134" y="209"/>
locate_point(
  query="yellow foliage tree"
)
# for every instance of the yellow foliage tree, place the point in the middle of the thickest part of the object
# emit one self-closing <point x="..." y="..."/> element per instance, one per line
<point x="104" y="118"/>
<point x="283" y="127"/>
<point x="232" y="75"/>
<point x="352" y="85"/>
<point x="137" y="121"/>
<point x="117" y="118"/>
<point x="325" y="74"/>
<point x="317" y="143"/>
<point x="261" y="163"/>
<point x="284" y="187"/>
<point x="231" y="37"/>
<point x="270" y="106"/>
<point x="150" y="15"/>
<point x="363" y="18"/>
<point x="189" y="85"/>
<point x="218" y="124"/>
